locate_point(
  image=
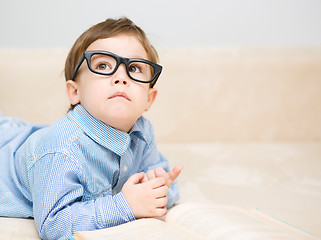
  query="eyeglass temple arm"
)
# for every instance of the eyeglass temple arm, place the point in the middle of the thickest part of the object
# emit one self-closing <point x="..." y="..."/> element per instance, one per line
<point x="77" y="67"/>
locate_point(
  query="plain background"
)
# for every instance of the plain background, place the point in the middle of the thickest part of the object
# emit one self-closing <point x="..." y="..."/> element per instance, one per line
<point x="168" y="23"/>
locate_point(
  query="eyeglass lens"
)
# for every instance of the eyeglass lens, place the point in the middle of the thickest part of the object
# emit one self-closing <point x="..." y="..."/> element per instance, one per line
<point x="105" y="64"/>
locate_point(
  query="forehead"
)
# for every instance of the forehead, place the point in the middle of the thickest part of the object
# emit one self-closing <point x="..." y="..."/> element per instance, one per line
<point x="123" y="45"/>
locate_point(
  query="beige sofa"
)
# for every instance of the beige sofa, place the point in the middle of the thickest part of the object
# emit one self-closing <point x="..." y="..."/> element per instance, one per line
<point x="244" y="122"/>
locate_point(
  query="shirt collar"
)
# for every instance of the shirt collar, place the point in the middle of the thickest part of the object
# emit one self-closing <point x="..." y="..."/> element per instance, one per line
<point x="111" y="138"/>
<point x="142" y="130"/>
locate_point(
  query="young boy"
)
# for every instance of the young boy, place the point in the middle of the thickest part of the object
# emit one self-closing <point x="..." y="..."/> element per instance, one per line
<point x="98" y="166"/>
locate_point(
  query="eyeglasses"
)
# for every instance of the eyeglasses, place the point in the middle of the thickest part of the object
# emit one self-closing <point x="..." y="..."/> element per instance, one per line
<point x="107" y="63"/>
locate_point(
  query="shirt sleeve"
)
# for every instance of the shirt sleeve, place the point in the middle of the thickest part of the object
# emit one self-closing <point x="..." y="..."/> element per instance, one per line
<point x="59" y="212"/>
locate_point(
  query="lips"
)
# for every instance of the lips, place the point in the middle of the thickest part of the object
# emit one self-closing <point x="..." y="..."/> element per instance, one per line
<point x="119" y="95"/>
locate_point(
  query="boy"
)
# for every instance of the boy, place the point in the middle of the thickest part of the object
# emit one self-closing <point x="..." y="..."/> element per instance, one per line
<point x="98" y="166"/>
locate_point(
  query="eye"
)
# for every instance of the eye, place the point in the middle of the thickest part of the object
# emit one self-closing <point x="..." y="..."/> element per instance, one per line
<point x="102" y="63"/>
<point x="103" y="66"/>
<point x="134" y="68"/>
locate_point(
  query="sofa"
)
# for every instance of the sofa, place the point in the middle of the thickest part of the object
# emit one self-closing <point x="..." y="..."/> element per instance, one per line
<point x="244" y="122"/>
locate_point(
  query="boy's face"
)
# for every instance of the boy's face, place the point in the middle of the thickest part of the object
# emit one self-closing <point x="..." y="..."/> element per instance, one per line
<point x="116" y="100"/>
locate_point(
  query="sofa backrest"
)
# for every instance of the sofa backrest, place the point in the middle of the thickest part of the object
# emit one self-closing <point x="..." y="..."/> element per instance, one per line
<point x="205" y="94"/>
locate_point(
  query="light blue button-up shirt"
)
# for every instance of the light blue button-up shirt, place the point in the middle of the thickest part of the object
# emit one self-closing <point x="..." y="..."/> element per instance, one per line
<point x="69" y="175"/>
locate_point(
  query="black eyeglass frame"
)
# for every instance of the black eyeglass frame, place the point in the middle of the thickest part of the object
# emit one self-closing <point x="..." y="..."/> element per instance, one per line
<point x="119" y="60"/>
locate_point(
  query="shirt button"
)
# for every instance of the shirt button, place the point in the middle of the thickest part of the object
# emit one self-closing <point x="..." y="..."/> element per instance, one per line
<point x="125" y="169"/>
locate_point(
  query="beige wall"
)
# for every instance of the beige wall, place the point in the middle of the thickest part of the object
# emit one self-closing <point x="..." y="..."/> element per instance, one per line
<point x="222" y="94"/>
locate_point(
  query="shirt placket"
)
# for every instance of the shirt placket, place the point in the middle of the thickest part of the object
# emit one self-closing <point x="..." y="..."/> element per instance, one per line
<point x="126" y="161"/>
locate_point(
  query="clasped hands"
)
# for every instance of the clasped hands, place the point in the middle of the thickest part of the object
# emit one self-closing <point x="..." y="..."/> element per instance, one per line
<point x="146" y="192"/>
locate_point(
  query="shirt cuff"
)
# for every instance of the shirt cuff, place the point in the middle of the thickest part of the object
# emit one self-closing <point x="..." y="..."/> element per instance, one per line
<point x="123" y="206"/>
<point x="172" y="195"/>
<point x="112" y="211"/>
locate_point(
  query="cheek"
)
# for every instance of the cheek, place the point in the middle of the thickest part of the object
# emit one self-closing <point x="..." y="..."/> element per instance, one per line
<point x="94" y="88"/>
<point x="143" y="100"/>
<point x="141" y="93"/>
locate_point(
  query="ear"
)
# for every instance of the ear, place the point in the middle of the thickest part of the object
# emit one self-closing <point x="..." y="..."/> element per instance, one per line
<point x="72" y="92"/>
<point x="152" y="93"/>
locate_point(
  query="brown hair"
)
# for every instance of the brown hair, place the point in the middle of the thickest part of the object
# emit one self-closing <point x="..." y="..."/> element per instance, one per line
<point x="106" y="29"/>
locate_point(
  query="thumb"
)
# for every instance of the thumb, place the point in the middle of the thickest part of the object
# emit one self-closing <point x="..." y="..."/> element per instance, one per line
<point x="136" y="178"/>
<point x="173" y="174"/>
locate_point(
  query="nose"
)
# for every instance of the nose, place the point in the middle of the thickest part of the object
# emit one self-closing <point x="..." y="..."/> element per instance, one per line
<point x="124" y="82"/>
<point x="120" y="76"/>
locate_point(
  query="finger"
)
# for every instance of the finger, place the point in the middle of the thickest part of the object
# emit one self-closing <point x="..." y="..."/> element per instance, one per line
<point x="161" y="202"/>
<point x="136" y="178"/>
<point x="156" y="182"/>
<point x="159" y="212"/>
<point x="145" y="179"/>
<point x="160" y="172"/>
<point x="173" y="174"/>
<point x="150" y="174"/>
<point x="160" y="191"/>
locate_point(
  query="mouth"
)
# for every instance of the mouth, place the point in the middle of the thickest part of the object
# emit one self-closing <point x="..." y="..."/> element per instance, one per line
<point x="119" y="95"/>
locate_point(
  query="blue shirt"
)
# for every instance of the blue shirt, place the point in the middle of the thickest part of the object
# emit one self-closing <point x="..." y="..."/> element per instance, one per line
<point x="69" y="175"/>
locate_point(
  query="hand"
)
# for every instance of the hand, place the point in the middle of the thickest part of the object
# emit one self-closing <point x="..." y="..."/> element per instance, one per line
<point x="160" y="172"/>
<point x="146" y="199"/>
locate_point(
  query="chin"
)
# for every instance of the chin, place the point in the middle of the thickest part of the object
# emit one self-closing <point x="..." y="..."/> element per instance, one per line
<point x="121" y="122"/>
<point x="119" y="117"/>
